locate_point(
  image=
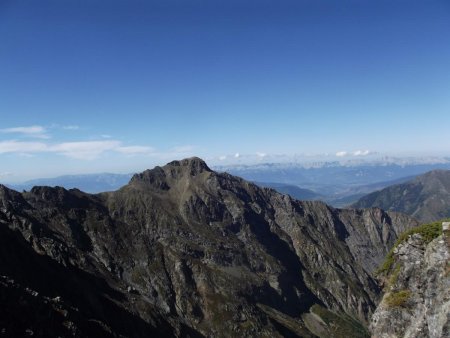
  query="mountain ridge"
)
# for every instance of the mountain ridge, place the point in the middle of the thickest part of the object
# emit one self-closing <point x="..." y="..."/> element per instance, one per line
<point x="185" y="249"/>
<point x="426" y="197"/>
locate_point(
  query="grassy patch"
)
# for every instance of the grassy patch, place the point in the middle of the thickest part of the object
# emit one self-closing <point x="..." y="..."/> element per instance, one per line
<point x="292" y="324"/>
<point x="340" y="325"/>
<point x="394" y="276"/>
<point x="215" y="304"/>
<point x="398" y="299"/>
<point x="387" y="263"/>
<point x="428" y="232"/>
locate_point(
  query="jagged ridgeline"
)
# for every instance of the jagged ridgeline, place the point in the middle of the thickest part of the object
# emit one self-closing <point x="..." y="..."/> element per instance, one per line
<point x="185" y="251"/>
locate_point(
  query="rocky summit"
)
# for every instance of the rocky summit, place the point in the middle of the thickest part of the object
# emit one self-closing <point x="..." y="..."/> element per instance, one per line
<point x="183" y="251"/>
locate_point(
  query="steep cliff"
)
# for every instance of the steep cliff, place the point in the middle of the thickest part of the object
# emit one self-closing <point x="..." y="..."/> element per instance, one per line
<point x="417" y="299"/>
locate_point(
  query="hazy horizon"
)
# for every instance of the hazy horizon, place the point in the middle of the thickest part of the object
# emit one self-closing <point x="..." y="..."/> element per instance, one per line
<point x="236" y="161"/>
<point x="121" y="86"/>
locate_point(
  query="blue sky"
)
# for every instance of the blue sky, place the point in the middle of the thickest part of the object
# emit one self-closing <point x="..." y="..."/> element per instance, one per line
<point x="119" y="86"/>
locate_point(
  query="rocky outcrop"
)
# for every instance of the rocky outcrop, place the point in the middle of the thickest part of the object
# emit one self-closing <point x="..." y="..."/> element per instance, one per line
<point x="185" y="251"/>
<point x="417" y="299"/>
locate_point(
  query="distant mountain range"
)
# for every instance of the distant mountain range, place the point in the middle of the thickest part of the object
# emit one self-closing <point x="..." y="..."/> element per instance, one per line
<point x="330" y="174"/>
<point x="426" y="197"/>
<point x="326" y="160"/>
<point x="337" y="183"/>
<point x="91" y="183"/>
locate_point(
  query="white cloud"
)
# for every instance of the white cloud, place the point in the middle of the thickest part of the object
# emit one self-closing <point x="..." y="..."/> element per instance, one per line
<point x="237" y="155"/>
<point x="354" y="153"/>
<point x="222" y="158"/>
<point x="261" y="155"/>
<point x="28" y="155"/>
<point x="84" y="150"/>
<point x="341" y="153"/>
<point x="361" y="153"/>
<point x="30" y="131"/>
<point x="14" y="146"/>
<point x="25" y="130"/>
<point x="5" y="174"/>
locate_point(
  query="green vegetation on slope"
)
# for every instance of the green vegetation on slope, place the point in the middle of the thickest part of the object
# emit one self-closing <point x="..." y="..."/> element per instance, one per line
<point x="325" y="323"/>
<point x="428" y="232"/>
<point x="398" y="298"/>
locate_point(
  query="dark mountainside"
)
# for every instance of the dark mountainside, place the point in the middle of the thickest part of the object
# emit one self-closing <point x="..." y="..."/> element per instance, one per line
<point x="184" y="251"/>
<point x="427" y="197"/>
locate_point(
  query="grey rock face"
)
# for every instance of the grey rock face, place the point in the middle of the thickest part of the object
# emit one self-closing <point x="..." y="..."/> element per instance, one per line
<point x="185" y="251"/>
<point x="423" y="279"/>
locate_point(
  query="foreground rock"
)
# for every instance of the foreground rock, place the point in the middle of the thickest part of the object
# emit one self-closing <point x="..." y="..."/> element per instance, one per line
<point x="417" y="301"/>
<point x="184" y="251"/>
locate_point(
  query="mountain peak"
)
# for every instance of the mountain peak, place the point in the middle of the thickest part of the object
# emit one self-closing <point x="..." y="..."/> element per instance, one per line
<point x="195" y="164"/>
<point x="159" y="177"/>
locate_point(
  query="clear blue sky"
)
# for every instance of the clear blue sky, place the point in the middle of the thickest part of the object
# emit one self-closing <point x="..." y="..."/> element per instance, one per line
<point x="90" y="85"/>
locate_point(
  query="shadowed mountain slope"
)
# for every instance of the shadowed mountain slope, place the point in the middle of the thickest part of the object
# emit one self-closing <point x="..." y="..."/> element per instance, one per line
<point x="427" y="197"/>
<point x="185" y="251"/>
